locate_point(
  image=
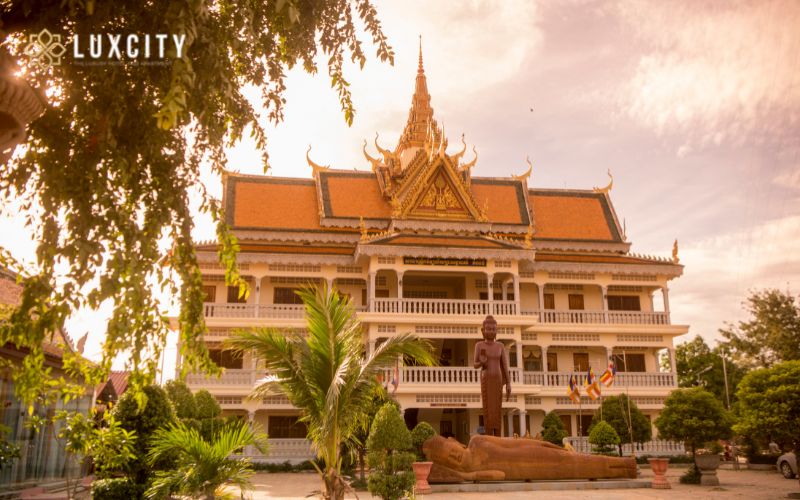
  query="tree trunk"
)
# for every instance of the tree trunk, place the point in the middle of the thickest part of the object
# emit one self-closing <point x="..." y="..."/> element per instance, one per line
<point x="361" y="462"/>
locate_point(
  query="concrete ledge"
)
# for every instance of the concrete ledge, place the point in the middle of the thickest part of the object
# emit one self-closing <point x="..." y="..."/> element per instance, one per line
<point x="565" y="485"/>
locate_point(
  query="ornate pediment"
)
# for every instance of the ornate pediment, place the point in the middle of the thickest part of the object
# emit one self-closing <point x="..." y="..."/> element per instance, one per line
<point x="438" y="192"/>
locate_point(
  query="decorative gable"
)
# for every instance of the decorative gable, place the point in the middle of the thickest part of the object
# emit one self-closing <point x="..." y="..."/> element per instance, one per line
<point x="439" y="192"/>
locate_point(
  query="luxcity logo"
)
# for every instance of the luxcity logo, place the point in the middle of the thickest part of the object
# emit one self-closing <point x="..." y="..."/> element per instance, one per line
<point x="46" y="50"/>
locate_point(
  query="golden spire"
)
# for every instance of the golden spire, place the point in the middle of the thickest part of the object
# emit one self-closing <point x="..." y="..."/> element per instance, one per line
<point x="420" y="115"/>
<point x="606" y="189"/>
<point x="363" y="228"/>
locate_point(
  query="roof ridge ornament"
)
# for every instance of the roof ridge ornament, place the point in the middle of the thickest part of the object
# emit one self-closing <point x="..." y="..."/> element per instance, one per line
<point x="675" y="258"/>
<point x="524" y="177"/>
<point x="457" y="157"/>
<point x="314" y="166"/>
<point x="605" y="190"/>
<point x="387" y="155"/>
<point x="468" y="166"/>
<point x="373" y="161"/>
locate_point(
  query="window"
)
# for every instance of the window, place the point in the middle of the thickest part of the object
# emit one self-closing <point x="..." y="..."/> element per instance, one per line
<point x="226" y="359"/>
<point x="624" y="303"/>
<point x="233" y="296"/>
<point x="629" y="362"/>
<point x="576" y="302"/>
<point x="285" y="296"/>
<point x="552" y="362"/>
<point x="363" y="296"/>
<point x="209" y="293"/>
<point x="286" y="428"/>
<point x="485" y="296"/>
<point x="580" y="361"/>
<point x="549" y="301"/>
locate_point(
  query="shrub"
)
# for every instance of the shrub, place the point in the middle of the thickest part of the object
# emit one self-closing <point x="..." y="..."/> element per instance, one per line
<point x="604" y="438"/>
<point x="207" y="406"/>
<point x="120" y="488"/>
<point x="615" y="411"/>
<point x="421" y="433"/>
<point x="694" y="416"/>
<point x="182" y="399"/>
<point x="553" y="429"/>
<point x="691" y="476"/>
<point x="387" y="454"/>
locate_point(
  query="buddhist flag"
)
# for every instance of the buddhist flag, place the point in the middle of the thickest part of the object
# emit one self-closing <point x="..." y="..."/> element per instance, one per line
<point x="592" y="387"/>
<point x="607" y="378"/>
<point x="573" y="392"/>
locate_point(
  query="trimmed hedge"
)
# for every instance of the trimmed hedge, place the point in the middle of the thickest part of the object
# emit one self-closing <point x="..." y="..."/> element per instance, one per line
<point x="286" y="466"/>
<point x="680" y="459"/>
<point x="118" y="488"/>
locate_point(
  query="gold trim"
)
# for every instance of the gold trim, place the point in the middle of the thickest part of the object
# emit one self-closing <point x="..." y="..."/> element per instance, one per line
<point x="314" y="166"/>
<point x="606" y="189"/>
<point x="675" y="258"/>
<point x="524" y="177"/>
<point x="373" y="161"/>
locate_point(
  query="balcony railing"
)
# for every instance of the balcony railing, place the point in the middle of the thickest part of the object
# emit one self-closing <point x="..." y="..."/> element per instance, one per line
<point x="601" y="317"/>
<point x="444" y="307"/>
<point x="228" y="378"/>
<point x="633" y="379"/>
<point x="280" y="450"/>
<point x="656" y="447"/>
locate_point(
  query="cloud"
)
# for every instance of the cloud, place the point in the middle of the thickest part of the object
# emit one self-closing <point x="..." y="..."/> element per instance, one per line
<point x="715" y="72"/>
<point x="721" y="270"/>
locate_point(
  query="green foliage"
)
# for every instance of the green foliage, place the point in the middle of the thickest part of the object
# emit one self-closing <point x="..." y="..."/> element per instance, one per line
<point x="604" y="438"/>
<point x="771" y="335"/>
<point x="390" y="462"/>
<point x="691" y="476"/>
<point x="693" y="416"/>
<point x="118" y="488"/>
<point x="769" y="403"/>
<point x="110" y="168"/>
<point x="421" y="433"/>
<point x="615" y="413"/>
<point x="303" y="367"/>
<point x="201" y="467"/>
<point x="696" y="356"/>
<point x="182" y="399"/>
<point x="553" y="429"/>
<point x="206" y="405"/>
<point x="358" y="443"/>
<point x="157" y="412"/>
<point x="286" y="466"/>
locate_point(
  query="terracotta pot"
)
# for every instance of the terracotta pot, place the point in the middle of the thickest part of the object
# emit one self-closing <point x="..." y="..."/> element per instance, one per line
<point x="659" y="466"/>
<point x="421" y="472"/>
<point x="708" y="465"/>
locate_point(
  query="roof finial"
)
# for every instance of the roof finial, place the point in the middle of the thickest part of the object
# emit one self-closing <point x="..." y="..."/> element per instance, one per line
<point x="420" y="69"/>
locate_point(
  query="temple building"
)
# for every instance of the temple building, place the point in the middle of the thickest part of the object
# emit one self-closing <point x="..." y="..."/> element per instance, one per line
<point x="422" y="245"/>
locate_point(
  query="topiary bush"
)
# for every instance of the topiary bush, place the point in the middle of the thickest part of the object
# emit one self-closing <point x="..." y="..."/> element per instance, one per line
<point x="206" y="405"/>
<point x="553" y="429"/>
<point x="120" y="488"/>
<point x="604" y="439"/>
<point x="388" y="456"/>
<point x="421" y="433"/>
<point x="182" y="399"/>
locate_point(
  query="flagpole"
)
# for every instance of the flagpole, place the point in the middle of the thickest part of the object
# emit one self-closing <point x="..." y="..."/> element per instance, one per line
<point x="628" y="397"/>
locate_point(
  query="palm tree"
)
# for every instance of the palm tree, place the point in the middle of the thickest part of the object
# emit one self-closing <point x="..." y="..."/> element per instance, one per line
<point x="326" y="374"/>
<point x="201" y="467"/>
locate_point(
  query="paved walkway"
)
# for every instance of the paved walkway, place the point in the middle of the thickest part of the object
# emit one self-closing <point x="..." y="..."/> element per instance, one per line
<point x="744" y="484"/>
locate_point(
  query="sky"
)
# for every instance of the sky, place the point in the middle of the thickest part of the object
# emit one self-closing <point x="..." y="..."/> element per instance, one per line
<point x="694" y="106"/>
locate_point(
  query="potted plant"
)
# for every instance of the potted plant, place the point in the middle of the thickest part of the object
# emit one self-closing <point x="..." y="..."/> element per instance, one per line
<point x="422" y="467"/>
<point x="659" y="467"/>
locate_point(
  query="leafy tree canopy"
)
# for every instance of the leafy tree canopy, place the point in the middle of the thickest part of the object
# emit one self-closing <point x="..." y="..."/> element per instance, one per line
<point x="769" y="403"/>
<point x="604" y="438"/>
<point x="694" y="359"/>
<point x="206" y="405"/>
<point x="771" y="335"/>
<point x="615" y="413"/>
<point x="553" y="429"/>
<point x="694" y="416"/>
<point x="108" y="171"/>
<point x="182" y="399"/>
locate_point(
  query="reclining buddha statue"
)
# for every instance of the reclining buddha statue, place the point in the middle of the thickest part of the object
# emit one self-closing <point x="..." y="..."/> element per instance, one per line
<point x="489" y="458"/>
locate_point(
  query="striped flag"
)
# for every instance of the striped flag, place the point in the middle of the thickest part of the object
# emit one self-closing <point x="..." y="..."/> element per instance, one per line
<point x="592" y="386"/>
<point x="607" y="378"/>
<point x="573" y="392"/>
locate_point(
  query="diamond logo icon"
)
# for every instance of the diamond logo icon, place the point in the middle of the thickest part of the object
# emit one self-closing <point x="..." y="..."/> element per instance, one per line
<point x="45" y="49"/>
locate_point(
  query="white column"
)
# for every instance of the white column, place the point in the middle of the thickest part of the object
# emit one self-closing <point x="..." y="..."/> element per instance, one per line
<point x="540" y="286"/>
<point x="510" y="423"/>
<point x="672" y="363"/>
<point x="609" y="354"/>
<point x="399" y="284"/>
<point x="519" y="356"/>
<point x="604" y="293"/>
<point x="505" y="290"/>
<point x="371" y="345"/>
<point x="490" y="291"/>
<point x="330" y="283"/>
<point x="517" y="298"/>
<point x="523" y="427"/>
<point x="370" y="291"/>
<point x="258" y="294"/>
<point x="544" y="359"/>
<point x="665" y="294"/>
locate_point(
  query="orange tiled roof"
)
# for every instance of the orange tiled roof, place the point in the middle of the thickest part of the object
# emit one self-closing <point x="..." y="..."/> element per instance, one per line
<point x="271" y="203"/>
<point x="504" y="200"/>
<point x="353" y="195"/>
<point x="599" y="259"/>
<point x="573" y="215"/>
